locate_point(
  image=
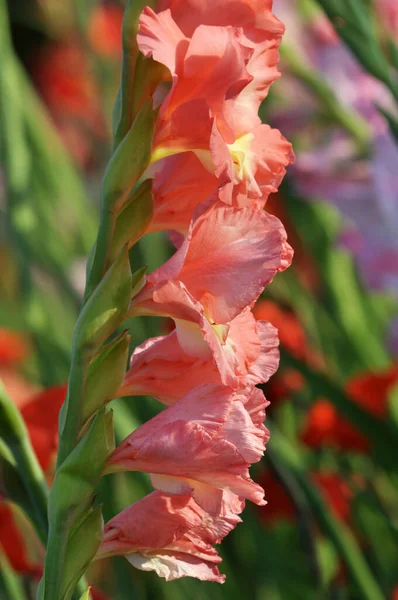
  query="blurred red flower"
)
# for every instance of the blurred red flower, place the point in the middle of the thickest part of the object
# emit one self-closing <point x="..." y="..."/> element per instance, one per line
<point x="41" y="417"/>
<point x="325" y="426"/>
<point x="66" y="82"/>
<point x="292" y="337"/>
<point x="105" y="30"/>
<point x="13" y="543"/>
<point x="40" y="414"/>
<point x="13" y="348"/>
<point x="280" y="506"/>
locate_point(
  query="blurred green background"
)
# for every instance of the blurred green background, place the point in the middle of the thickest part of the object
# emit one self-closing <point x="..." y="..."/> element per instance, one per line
<point x="330" y="529"/>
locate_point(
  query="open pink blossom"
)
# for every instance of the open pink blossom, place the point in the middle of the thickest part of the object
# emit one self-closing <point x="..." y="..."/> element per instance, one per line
<point x="171" y="535"/>
<point x="210" y="66"/>
<point x="256" y="28"/>
<point x="161" y="368"/>
<point x="220" y="77"/>
<point x="203" y="444"/>
<point x="225" y="261"/>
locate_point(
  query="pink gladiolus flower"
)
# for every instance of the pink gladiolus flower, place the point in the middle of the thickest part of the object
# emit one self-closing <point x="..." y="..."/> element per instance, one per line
<point x="220" y="77"/>
<point x="227" y="258"/>
<point x="160" y="367"/>
<point x="171" y="535"/>
<point x="256" y="29"/>
<point x="203" y="444"/>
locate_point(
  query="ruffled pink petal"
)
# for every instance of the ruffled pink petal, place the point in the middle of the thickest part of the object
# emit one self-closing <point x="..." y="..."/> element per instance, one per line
<point x="242" y="110"/>
<point x="171" y="535"/>
<point x="160" y="37"/>
<point x="236" y="13"/>
<point x="160" y="368"/>
<point x="174" y="565"/>
<point x="233" y="253"/>
<point x="267" y="361"/>
<point x="207" y="437"/>
<point x="255" y="404"/>
<point x="153" y="522"/>
<point x="228" y="257"/>
<point x="176" y="192"/>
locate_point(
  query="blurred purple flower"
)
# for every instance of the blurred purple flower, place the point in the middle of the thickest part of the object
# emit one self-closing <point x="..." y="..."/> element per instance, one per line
<point x="365" y="190"/>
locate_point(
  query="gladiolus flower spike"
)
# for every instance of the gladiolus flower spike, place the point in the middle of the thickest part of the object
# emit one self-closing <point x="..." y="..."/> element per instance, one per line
<point x="191" y="158"/>
<point x="213" y="166"/>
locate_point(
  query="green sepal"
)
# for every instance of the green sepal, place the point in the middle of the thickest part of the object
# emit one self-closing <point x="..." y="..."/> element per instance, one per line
<point x="106" y="307"/>
<point x="123" y="115"/>
<point x="105" y="374"/>
<point x="138" y="280"/>
<point x="86" y="595"/>
<point x="129" y="160"/>
<point x="83" y="544"/>
<point x="133" y="220"/>
<point x="148" y="74"/>
<point x="79" y="475"/>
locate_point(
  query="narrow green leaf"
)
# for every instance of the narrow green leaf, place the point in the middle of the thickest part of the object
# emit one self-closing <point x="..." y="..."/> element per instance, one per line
<point x="124" y="115"/>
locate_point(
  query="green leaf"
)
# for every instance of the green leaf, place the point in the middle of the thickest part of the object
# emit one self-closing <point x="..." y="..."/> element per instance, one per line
<point x="107" y="306"/>
<point x="133" y="220"/>
<point x="83" y="544"/>
<point x="12" y="426"/>
<point x="11" y="586"/>
<point x="106" y="374"/>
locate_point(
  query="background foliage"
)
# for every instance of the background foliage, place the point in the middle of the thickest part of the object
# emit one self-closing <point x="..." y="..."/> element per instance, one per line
<point x="330" y="529"/>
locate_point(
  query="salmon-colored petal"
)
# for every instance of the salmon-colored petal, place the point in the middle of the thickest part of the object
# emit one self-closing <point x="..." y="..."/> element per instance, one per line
<point x="176" y="192"/>
<point x="160" y="37"/>
<point x="232" y="255"/>
<point x="236" y="13"/>
<point x="207" y="437"/>
<point x="171" y="535"/>
<point x="228" y="257"/>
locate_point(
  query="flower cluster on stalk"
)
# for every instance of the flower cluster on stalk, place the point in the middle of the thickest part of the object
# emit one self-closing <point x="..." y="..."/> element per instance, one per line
<point x="214" y="164"/>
